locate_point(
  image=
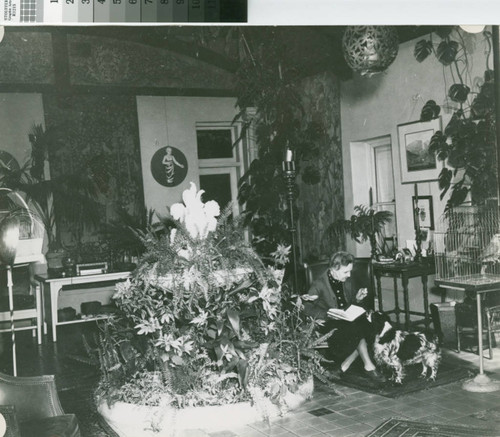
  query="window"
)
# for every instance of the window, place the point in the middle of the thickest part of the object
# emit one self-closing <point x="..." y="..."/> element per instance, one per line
<point x="221" y="162"/>
<point x="383" y="187"/>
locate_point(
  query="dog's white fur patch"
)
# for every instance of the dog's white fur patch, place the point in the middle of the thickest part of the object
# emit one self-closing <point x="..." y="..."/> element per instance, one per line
<point x="386" y="354"/>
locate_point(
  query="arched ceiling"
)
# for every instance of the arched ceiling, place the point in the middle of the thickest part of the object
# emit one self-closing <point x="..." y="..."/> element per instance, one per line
<point x="312" y="49"/>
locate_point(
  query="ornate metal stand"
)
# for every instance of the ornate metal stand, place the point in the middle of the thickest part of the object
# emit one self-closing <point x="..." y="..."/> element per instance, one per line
<point x="290" y="174"/>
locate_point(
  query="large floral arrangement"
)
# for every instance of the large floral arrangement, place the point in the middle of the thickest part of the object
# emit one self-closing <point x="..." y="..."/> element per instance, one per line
<point x="203" y="321"/>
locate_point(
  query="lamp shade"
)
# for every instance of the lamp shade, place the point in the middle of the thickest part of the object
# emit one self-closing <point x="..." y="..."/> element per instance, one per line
<point x="16" y="222"/>
<point x="370" y="49"/>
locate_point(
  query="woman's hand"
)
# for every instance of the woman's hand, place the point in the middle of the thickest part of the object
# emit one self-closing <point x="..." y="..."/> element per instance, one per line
<point x="361" y="294"/>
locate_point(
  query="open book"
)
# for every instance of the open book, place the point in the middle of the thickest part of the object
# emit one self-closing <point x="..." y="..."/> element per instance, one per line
<point x="350" y="314"/>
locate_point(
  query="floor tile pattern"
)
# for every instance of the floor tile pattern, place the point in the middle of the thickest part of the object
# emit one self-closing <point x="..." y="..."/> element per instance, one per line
<point x="351" y="412"/>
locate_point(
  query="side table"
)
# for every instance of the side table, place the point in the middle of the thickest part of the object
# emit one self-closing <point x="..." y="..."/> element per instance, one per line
<point x="405" y="271"/>
<point x="52" y="288"/>
<point x="480" y="284"/>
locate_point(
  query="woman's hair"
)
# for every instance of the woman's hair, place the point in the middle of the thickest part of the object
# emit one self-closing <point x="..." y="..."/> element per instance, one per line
<point x="339" y="259"/>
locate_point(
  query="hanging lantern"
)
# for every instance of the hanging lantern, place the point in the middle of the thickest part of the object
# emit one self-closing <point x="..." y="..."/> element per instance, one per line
<point x="370" y="49"/>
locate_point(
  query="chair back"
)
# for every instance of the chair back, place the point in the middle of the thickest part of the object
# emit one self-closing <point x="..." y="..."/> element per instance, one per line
<point x="361" y="273"/>
<point x="33" y="397"/>
<point x="313" y="271"/>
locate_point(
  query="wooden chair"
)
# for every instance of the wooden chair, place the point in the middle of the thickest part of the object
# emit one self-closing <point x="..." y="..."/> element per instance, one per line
<point x="466" y="321"/>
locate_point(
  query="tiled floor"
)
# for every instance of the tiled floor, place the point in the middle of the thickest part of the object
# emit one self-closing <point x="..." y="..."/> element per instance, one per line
<point x="348" y="413"/>
<point x="355" y="413"/>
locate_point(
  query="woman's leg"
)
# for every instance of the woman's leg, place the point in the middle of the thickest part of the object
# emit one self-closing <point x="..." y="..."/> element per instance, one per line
<point x="349" y="360"/>
<point x="365" y="356"/>
<point x="360" y="351"/>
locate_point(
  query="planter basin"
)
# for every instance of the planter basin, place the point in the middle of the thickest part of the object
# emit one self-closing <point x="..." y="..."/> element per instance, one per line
<point x="130" y="420"/>
<point x="217" y="277"/>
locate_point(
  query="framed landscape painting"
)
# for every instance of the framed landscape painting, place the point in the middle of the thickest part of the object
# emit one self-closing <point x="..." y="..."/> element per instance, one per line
<point x="417" y="163"/>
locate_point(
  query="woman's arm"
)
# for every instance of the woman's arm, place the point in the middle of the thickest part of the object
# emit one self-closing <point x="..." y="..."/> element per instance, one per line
<point x="319" y="307"/>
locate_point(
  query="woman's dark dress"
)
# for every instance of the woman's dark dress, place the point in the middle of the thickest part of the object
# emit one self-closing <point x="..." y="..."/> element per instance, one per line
<point x="335" y="294"/>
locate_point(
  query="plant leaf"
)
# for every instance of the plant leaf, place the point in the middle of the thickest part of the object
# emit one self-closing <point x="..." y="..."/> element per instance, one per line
<point x="443" y="31"/>
<point x="457" y="197"/>
<point x="430" y="110"/>
<point x="234" y="318"/>
<point x="422" y="50"/>
<point x="437" y="143"/>
<point x="243" y="373"/>
<point x="458" y="92"/>
<point x="447" y="52"/>
<point x="444" y="178"/>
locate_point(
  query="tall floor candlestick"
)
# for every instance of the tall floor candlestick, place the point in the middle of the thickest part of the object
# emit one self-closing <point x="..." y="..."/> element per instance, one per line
<point x="290" y="174"/>
<point x="416" y="219"/>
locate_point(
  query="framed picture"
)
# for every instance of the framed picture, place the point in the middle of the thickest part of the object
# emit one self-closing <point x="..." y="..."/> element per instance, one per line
<point x="417" y="164"/>
<point x="425" y="212"/>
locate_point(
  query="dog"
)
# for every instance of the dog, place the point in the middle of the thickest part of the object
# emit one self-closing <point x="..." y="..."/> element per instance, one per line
<point x="397" y="349"/>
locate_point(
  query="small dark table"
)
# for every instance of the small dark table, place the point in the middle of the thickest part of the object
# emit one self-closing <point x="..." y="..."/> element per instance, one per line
<point x="405" y="271"/>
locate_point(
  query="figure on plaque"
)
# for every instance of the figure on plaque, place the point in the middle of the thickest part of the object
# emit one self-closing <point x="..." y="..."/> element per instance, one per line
<point x="170" y="162"/>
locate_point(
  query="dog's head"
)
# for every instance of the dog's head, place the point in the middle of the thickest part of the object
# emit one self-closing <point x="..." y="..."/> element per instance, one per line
<point x="381" y="323"/>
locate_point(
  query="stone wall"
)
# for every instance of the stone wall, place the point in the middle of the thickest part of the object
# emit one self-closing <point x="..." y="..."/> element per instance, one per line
<point x="322" y="203"/>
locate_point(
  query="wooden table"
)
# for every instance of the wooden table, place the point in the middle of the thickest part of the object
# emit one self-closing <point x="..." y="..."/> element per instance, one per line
<point x="404" y="271"/>
<point x="52" y="286"/>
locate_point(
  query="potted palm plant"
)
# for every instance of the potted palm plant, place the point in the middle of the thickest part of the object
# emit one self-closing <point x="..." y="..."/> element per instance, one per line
<point x="365" y="224"/>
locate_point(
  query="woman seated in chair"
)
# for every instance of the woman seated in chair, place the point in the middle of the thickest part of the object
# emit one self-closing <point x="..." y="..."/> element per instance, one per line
<point x="333" y="290"/>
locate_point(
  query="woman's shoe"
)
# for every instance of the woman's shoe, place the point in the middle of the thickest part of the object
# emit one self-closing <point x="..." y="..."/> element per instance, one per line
<point x="376" y="376"/>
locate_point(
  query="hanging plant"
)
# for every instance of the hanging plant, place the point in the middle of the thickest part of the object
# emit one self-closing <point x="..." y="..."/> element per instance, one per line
<point x="467" y="144"/>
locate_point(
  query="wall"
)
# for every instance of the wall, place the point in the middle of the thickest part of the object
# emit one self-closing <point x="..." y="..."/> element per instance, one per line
<point x="373" y="107"/>
<point x="172" y="120"/>
<point x="101" y="142"/>
<point x="89" y="84"/>
<point x="322" y="203"/>
<point x="18" y="113"/>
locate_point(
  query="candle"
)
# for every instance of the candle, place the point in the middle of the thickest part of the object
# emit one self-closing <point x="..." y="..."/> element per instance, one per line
<point x="288" y="164"/>
<point x="416" y="191"/>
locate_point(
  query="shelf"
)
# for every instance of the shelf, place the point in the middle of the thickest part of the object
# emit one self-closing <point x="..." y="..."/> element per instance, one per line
<point x="87" y="319"/>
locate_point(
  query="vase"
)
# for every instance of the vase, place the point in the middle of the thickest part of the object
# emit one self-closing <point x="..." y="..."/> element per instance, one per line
<point x="55" y="261"/>
<point x="131" y="420"/>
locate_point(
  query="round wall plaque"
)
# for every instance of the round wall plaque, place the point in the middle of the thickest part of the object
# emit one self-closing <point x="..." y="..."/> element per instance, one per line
<point x="169" y="166"/>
